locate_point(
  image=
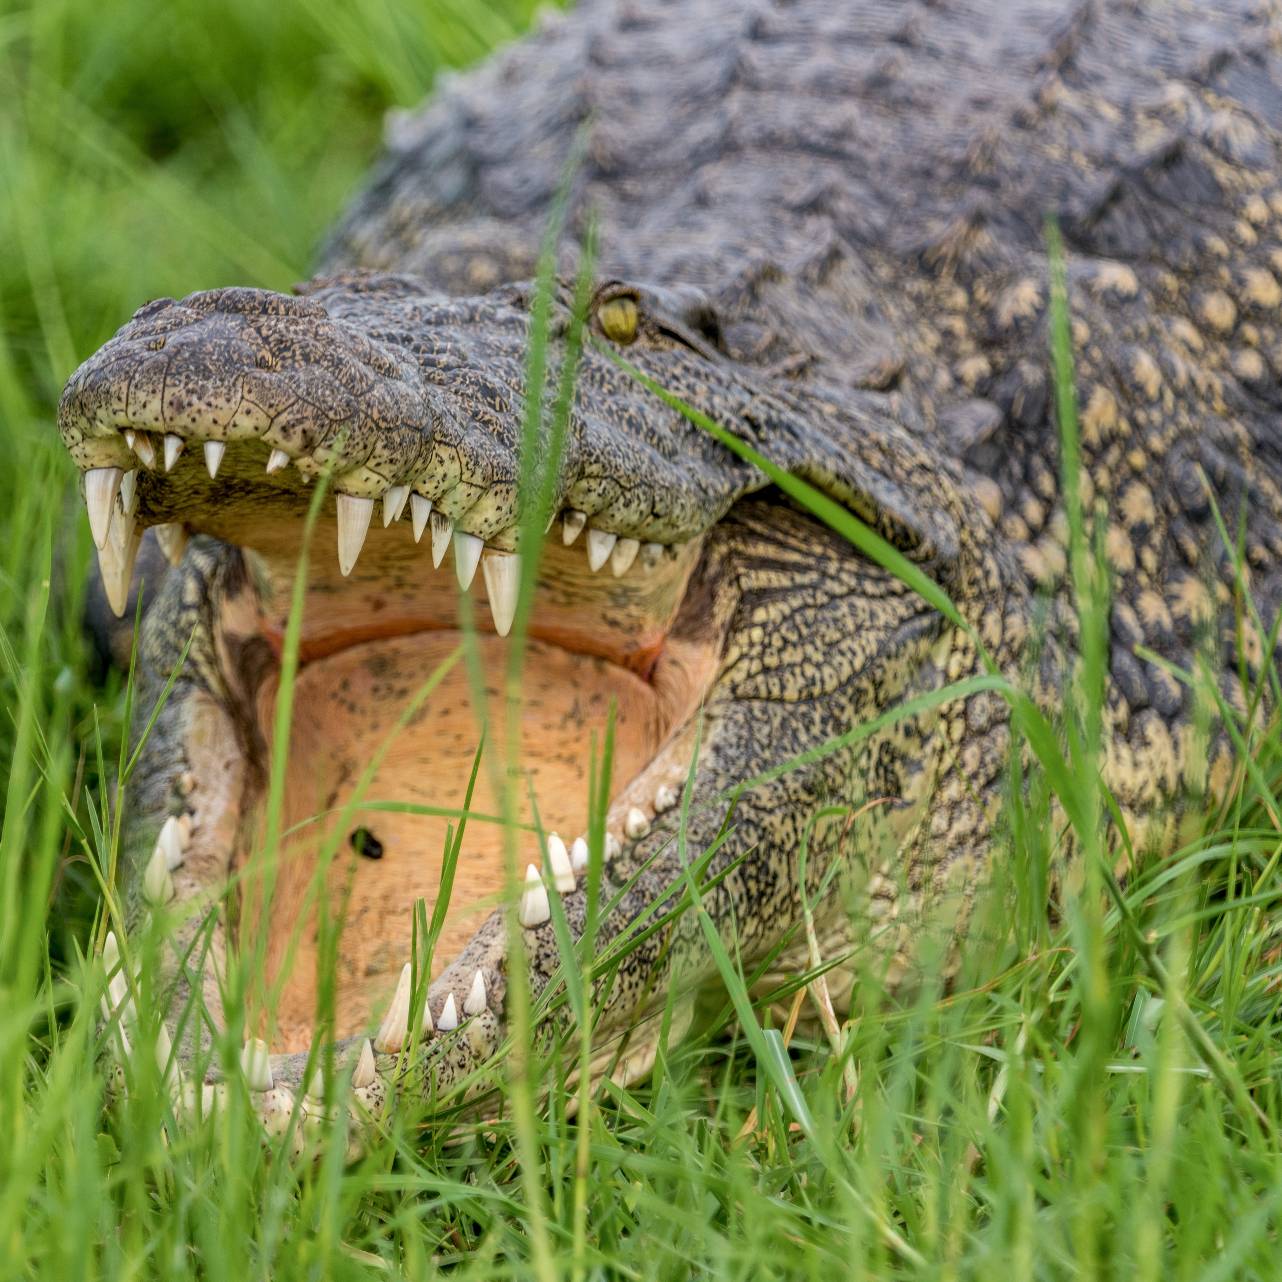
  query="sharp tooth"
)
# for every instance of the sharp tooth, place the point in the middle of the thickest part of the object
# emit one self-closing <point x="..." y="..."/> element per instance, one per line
<point x="363" y="1075"/>
<point x="533" y="910"/>
<point x="173" y="541"/>
<point x="391" y="1032"/>
<point x="130" y="436"/>
<point x="572" y="524"/>
<point x="474" y="1003"/>
<point x="214" y="451"/>
<point x="579" y="854"/>
<point x="157" y="884"/>
<point x="502" y="584"/>
<point x="316" y="1085"/>
<point x="664" y="798"/>
<point x="145" y="450"/>
<point x="427" y="1018"/>
<point x="449" y="1015"/>
<point x="559" y="863"/>
<point x="277" y="460"/>
<point x="612" y="846"/>
<point x="102" y="484"/>
<point x="172" y="842"/>
<point x="117" y="984"/>
<point x="651" y="553"/>
<point x="467" y="556"/>
<point x="353" y="524"/>
<point x="394" y="503"/>
<point x="420" y="510"/>
<point x="625" y="552"/>
<point x="442" y="529"/>
<point x="636" y="824"/>
<point x="129" y="492"/>
<point x="255" y="1063"/>
<point x="600" y="545"/>
<point x="165" y="1062"/>
<point x="116" y="561"/>
<point x="173" y="448"/>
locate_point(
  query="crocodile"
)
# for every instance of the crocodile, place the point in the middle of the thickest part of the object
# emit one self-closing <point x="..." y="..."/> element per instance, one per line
<point x="822" y="226"/>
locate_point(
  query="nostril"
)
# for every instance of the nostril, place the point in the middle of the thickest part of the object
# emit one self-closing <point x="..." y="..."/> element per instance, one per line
<point x="365" y="843"/>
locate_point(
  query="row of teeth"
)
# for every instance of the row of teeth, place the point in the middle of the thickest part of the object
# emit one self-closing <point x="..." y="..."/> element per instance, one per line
<point x="564" y="865"/>
<point x="111" y="498"/>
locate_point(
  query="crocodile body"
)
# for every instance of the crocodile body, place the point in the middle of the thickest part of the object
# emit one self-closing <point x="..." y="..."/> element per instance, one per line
<point x="823" y="226"/>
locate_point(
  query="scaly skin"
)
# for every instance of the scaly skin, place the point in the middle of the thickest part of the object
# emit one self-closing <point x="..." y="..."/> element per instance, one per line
<point x="830" y="226"/>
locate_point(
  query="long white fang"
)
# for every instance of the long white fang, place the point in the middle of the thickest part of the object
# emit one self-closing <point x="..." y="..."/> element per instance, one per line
<point x="157" y="883"/>
<point x="636" y="824"/>
<point x="391" y="1032"/>
<point x="625" y="552"/>
<point x="474" y="1002"/>
<point x="143" y="447"/>
<point x="420" y="510"/>
<point x="353" y="525"/>
<point x="533" y="910"/>
<point x="502" y="585"/>
<point x="255" y="1063"/>
<point x="116" y="561"/>
<point x="173" y="448"/>
<point x="394" y="503"/>
<point x="600" y="545"/>
<point x="172" y="538"/>
<point x="449" y="1015"/>
<point x="102" y="484"/>
<point x="442" y="529"/>
<point x="427" y="1026"/>
<point x="277" y="460"/>
<point x="572" y="524"/>
<point x="129" y="492"/>
<point x="214" y="451"/>
<point x="559" y="862"/>
<point x="579" y="854"/>
<point x="467" y="556"/>
<point x="364" y="1072"/>
<point x="172" y="842"/>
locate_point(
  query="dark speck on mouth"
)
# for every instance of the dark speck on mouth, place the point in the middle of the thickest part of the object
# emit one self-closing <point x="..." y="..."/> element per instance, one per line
<point x="365" y="843"/>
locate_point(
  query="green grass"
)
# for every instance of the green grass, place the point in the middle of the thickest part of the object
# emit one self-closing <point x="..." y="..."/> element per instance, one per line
<point x="1095" y="1096"/>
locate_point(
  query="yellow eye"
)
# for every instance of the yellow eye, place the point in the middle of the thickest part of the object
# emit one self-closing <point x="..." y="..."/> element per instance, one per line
<point x="618" y="317"/>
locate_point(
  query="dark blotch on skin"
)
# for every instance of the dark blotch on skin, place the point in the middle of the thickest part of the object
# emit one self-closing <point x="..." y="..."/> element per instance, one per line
<point x="365" y="843"/>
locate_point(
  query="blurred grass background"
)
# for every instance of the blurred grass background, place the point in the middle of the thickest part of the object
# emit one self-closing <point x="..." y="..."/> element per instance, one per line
<point x="1048" y="1117"/>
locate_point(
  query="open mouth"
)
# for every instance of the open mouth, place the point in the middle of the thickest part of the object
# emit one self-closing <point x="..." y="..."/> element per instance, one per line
<point x="602" y="647"/>
<point x="620" y="634"/>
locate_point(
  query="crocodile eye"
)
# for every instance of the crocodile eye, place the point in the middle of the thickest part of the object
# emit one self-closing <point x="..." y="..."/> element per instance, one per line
<point x="618" y="318"/>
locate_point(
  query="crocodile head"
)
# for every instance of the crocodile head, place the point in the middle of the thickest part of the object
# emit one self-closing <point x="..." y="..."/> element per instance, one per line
<point x="724" y="630"/>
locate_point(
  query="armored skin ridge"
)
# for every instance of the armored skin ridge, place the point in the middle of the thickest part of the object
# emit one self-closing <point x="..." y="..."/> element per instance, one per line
<point x="822" y="226"/>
